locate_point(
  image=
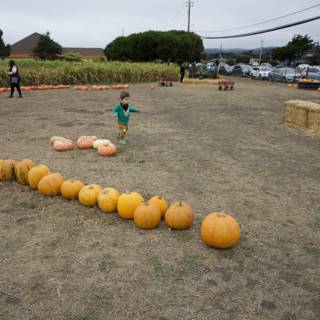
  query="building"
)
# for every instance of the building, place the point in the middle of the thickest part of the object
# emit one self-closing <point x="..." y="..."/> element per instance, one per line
<point x="24" y="47"/>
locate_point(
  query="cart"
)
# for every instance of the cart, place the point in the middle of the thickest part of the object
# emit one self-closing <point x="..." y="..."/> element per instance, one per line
<point x="165" y="82"/>
<point x="226" y="85"/>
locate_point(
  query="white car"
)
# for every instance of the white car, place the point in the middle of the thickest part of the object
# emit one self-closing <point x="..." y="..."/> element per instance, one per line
<point x="260" y="73"/>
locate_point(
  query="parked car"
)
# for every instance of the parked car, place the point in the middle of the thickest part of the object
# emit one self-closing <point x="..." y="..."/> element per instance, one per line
<point x="242" y="70"/>
<point x="311" y="73"/>
<point x="260" y="72"/>
<point x="284" y="75"/>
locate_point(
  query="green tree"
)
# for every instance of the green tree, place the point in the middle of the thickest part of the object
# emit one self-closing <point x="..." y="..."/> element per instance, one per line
<point x="294" y="50"/>
<point x="5" y="50"/>
<point x="47" y="48"/>
<point x="176" y="46"/>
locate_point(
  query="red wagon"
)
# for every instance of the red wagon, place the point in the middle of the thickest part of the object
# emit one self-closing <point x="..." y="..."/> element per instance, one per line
<point x="226" y="84"/>
<point x="165" y="82"/>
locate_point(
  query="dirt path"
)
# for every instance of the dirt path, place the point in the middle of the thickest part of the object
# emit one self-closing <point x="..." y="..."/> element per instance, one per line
<point x="216" y="151"/>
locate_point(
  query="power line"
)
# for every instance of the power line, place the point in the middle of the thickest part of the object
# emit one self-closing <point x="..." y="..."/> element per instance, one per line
<point x="262" y="22"/>
<point x="179" y="11"/>
<point x="264" y="30"/>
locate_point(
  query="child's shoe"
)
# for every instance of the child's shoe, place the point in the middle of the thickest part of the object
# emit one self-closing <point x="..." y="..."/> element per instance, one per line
<point x="121" y="141"/>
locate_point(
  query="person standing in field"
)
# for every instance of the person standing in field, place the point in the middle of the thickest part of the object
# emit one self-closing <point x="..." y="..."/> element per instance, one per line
<point x="182" y="72"/>
<point x="14" y="78"/>
<point x="122" y="112"/>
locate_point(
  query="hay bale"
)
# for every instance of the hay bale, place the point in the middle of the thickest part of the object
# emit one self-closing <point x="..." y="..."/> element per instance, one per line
<point x="295" y="112"/>
<point x="305" y="114"/>
<point x="202" y="81"/>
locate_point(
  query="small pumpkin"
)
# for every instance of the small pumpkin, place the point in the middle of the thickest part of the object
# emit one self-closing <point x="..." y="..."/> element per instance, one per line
<point x="88" y="195"/>
<point x="108" y="200"/>
<point x="7" y="168"/>
<point x="161" y="203"/>
<point x="21" y="170"/>
<point x="98" y="142"/>
<point x="53" y="139"/>
<point x="35" y="174"/>
<point x="147" y="216"/>
<point x="127" y="204"/>
<point x="107" y="150"/>
<point x="86" y="142"/>
<point x="179" y="216"/>
<point x="63" y="145"/>
<point x="50" y="184"/>
<point x="70" y="189"/>
<point x="220" y="230"/>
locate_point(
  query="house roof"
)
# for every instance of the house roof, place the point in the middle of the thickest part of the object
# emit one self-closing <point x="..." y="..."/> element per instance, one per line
<point x="25" y="46"/>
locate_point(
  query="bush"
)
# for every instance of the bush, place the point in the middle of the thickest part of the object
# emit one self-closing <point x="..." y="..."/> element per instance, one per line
<point x="100" y="59"/>
<point x="72" y="57"/>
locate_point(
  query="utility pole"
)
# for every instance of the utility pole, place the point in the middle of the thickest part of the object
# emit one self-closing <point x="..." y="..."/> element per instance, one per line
<point x="261" y="52"/>
<point x="189" y="5"/>
<point x="122" y="33"/>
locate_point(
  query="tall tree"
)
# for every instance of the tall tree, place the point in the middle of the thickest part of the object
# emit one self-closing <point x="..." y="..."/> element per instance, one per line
<point x="177" y="46"/>
<point x="5" y="50"/>
<point x="47" y="48"/>
<point x="294" y="50"/>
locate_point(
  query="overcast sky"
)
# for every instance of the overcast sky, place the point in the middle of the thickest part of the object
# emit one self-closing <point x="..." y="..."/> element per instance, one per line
<point x="95" y="23"/>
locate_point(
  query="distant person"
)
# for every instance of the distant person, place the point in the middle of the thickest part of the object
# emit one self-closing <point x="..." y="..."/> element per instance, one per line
<point x="14" y="78"/>
<point x="122" y="112"/>
<point x="182" y="72"/>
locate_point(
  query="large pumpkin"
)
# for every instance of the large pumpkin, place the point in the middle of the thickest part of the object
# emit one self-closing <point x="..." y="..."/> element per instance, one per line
<point x="21" y="170"/>
<point x="220" y="230"/>
<point x="7" y="168"/>
<point x="147" y="216"/>
<point x="161" y="203"/>
<point x="99" y="142"/>
<point x="179" y="216"/>
<point x="86" y="142"/>
<point x="70" y="189"/>
<point x="107" y="149"/>
<point x="127" y="203"/>
<point x="108" y="200"/>
<point x="35" y="174"/>
<point x="50" y="184"/>
<point x="63" y="145"/>
<point x="88" y="195"/>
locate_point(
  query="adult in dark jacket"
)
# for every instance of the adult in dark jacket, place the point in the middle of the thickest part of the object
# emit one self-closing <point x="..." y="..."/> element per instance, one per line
<point x="14" y="78"/>
<point x="182" y="72"/>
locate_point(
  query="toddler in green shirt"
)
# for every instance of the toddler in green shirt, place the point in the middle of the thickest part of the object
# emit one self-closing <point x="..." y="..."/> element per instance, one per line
<point x="122" y="112"/>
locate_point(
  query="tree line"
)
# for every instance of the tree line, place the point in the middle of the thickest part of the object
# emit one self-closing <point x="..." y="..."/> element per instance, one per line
<point x="170" y="46"/>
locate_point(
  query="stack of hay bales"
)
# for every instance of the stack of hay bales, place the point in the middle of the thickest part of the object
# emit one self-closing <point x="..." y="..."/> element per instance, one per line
<point x="202" y="81"/>
<point x="305" y="114"/>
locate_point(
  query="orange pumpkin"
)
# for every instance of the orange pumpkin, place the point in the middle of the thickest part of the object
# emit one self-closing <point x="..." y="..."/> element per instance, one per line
<point x="108" y="199"/>
<point x="107" y="149"/>
<point x="21" y="170"/>
<point x="147" y="216"/>
<point x="161" y="203"/>
<point x="63" y="145"/>
<point x="70" y="189"/>
<point x="88" y="195"/>
<point x="50" y="184"/>
<point x="220" y="230"/>
<point x="53" y="139"/>
<point x="7" y="170"/>
<point x="179" y="216"/>
<point x="127" y="204"/>
<point x="35" y="174"/>
<point x="86" y="142"/>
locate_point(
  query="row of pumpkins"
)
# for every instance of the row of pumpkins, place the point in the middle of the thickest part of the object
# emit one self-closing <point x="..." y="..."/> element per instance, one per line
<point x="104" y="147"/>
<point x="218" y="229"/>
<point x="98" y="88"/>
<point x="61" y="86"/>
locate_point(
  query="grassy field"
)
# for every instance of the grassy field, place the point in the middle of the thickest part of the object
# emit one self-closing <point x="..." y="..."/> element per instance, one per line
<point x="58" y="72"/>
<point x="215" y="150"/>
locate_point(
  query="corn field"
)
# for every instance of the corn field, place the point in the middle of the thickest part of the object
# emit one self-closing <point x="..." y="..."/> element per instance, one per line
<point x="34" y="72"/>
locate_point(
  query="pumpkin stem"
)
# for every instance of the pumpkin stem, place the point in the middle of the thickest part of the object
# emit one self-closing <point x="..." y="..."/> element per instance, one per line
<point x="221" y="214"/>
<point x="180" y="204"/>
